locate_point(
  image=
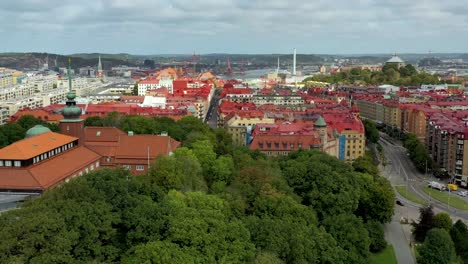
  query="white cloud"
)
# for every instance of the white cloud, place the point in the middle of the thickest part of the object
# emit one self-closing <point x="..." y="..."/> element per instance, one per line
<point x="232" y="25"/>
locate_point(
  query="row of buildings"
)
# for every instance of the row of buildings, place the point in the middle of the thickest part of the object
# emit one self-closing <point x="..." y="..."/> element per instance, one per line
<point x="439" y="118"/>
<point x="279" y="121"/>
<point x="41" y="90"/>
<point x="46" y="159"/>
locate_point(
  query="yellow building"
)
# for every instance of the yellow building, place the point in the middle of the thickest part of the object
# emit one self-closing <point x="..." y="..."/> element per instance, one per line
<point x="355" y="144"/>
<point x="392" y="115"/>
<point x="238" y="127"/>
<point x="350" y="133"/>
<point x="6" y="79"/>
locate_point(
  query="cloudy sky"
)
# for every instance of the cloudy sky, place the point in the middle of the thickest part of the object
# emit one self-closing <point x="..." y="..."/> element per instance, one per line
<point x="234" y="26"/>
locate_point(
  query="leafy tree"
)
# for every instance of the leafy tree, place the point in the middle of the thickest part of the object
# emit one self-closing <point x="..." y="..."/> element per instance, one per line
<point x="351" y="235"/>
<point x="137" y="124"/>
<point x="264" y="257"/>
<point x="181" y="171"/>
<point x="149" y="64"/>
<point x="377" y="199"/>
<point x="202" y="223"/>
<point x="162" y="252"/>
<point x="376" y="236"/>
<point x="205" y="154"/>
<point x="459" y="235"/>
<point x="437" y="248"/>
<point x="135" y="89"/>
<point x="365" y="165"/>
<point x="442" y="221"/>
<point x="426" y="223"/>
<point x="111" y="120"/>
<point x="93" y="121"/>
<point x="222" y="170"/>
<point x="28" y="121"/>
<point x="323" y="182"/>
<point x="372" y="133"/>
<point x="13" y="132"/>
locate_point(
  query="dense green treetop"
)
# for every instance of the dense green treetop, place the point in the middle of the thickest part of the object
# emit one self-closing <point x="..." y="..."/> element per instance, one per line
<point x="390" y="74"/>
<point x="209" y="202"/>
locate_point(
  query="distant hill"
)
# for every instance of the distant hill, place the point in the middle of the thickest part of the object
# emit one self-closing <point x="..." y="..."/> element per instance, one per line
<point x="22" y="61"/>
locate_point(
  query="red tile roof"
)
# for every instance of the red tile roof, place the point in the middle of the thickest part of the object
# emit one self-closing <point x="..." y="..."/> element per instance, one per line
<point x="47" y="173"/>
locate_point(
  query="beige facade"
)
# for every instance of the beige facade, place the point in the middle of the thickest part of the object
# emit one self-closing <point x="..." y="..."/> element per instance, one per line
<point x="237" y="127"/>
<point x="355" y="146"/>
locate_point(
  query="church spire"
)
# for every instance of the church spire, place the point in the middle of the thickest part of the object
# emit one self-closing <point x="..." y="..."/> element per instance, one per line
<point x="100" y="73"/>
<point x="99" y="67"/>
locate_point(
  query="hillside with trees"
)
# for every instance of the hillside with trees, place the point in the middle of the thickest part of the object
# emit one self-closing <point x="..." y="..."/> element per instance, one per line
<point x="209" y="202"/>
<point x="390" y="74"/>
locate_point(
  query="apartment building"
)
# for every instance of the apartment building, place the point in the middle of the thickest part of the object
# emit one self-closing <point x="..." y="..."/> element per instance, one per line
<point x="240" y="126"/>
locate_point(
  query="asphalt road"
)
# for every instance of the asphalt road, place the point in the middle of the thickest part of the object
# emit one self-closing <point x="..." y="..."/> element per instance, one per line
<point x="395" y="235"/>
<point x="212" y="114"/>
<point x="401" y="171"/>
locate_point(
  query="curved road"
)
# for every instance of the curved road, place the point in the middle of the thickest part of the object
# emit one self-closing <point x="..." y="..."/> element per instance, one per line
<point x="402" y="172"/>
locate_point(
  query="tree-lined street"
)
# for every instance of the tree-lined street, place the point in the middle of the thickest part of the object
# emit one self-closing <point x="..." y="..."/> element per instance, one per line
<point x="401" y="172"/>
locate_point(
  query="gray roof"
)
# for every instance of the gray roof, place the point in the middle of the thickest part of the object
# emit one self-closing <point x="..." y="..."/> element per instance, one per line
<point x="395" y="59"/>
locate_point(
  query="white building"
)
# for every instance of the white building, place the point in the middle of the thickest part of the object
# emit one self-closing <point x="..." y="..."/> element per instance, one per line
<point x="153" y="83"/>
<point x="433" y="87"/>
<point x="154" y="101"/>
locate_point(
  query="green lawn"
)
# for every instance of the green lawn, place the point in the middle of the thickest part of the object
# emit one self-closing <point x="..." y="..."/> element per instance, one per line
<point x="443" y="197"/>
<point x="385" y="257"/>
<point x="410" y="196"/>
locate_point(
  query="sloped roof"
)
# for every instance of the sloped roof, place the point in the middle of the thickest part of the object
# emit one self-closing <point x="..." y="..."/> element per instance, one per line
<point x="31" y="147"/>
<point x="102" y="134"/>
<point x="137" y="146"/>
<point x="49" y="172"/>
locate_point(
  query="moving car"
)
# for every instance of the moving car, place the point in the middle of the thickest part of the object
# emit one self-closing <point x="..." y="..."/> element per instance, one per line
<point x="463" y="193"/>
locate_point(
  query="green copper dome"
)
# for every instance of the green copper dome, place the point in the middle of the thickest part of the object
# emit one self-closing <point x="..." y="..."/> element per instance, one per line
<point x="71" y="112"/>
<point x="71" y="95"/>
<point x="320" y="122"/>
<point x="36" y="130"/>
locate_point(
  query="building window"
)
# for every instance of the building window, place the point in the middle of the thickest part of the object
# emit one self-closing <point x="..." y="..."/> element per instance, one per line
<point x="128" y="167"/>
<point x="7" y="163"/>
<point x="17" y="163"/>
<point x="140" y="167"/>
<point x="1" y="163"/>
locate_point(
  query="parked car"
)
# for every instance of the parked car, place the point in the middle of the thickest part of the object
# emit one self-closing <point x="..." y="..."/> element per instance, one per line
<point x="463" y="193"/>
<point x="399" y="203"/>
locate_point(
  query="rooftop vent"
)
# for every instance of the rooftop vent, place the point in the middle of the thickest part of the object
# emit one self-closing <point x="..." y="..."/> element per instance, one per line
<point x="130" y="133"/>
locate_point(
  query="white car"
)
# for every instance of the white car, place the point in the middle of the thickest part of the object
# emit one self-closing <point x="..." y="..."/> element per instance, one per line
<point x="463" y="193"/>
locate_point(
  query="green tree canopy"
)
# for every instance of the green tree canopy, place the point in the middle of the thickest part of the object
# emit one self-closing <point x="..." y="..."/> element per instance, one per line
<point x="426" y="223"/>
<point x="437" y="248"/>
<point x="459" y="235"/>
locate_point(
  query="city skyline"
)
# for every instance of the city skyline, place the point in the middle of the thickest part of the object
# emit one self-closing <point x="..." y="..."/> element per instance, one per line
<point x="229" y="26"/>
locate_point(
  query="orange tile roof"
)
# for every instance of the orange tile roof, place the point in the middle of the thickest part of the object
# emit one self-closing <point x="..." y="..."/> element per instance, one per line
<point x="65" y="165"/>
<point x="49" y="172"/>
<point x="31" y="147"/>
<point x="102" y="134"/>
<point x="12" y="178"/>
<point x="137" y="146"/>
